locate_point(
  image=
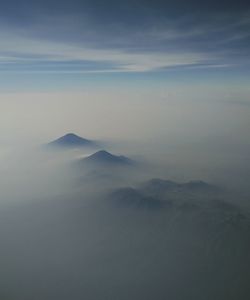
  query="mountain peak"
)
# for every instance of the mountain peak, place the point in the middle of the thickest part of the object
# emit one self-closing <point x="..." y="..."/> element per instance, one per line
<point x="72" y="140"/>
<point x="102" y="154"/>
<point x="71" y="135"/>
<point x="105" y="157"/>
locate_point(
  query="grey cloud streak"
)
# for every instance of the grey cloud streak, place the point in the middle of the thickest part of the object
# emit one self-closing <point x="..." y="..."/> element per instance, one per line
<point x="152" y="44"/>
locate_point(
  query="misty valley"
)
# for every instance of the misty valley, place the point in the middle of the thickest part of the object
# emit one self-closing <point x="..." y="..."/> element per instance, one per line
<point x="81" y="222"/>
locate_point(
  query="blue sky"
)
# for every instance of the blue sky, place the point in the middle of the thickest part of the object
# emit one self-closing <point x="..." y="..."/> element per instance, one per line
<point x="83" y="41"/>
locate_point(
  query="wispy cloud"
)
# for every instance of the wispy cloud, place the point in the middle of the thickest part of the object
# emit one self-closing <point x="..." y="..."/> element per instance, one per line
<point x="26" y="51"/>
<point x="47" y="47"/>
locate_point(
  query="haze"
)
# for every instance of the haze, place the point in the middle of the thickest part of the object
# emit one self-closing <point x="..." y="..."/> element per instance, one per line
<point x="146" y="196"/>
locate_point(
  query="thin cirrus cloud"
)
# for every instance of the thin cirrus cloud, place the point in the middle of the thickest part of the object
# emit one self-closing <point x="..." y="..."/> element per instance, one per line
<point x="77" y="43"/>
<point x="26" y="54"/>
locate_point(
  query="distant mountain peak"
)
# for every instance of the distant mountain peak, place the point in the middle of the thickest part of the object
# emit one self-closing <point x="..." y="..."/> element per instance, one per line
<point x="73" y="135"/>
<point x="71" y="140"/>
<point x="102" y="153"/>
<point x="104" y="157"/>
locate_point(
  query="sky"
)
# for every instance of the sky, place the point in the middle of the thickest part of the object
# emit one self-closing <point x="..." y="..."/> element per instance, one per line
<point x="72" y="65"/>
<point x="78" y="39"/>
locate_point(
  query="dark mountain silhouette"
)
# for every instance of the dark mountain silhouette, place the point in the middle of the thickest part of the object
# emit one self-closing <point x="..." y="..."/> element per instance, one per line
<point x="104" y="158"/>
<point x="103" y="169"/>
<point x="159" y="193"/>
<point x="130" y="197"/>
<point x="72" y="140"/>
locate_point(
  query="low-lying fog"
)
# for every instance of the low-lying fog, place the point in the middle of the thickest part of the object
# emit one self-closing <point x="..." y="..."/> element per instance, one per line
<point x="76" y="230"/>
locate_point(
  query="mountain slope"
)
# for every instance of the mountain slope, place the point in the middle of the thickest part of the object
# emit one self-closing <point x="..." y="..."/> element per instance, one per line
<point x="104" y="158"/>
<point x="72" y="140"/>
<point x="160" y="193"/>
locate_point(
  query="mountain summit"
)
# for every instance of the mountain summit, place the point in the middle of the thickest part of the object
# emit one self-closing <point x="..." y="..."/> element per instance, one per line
<point x="103" y="157"/>
<point x="72" y="140"/>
